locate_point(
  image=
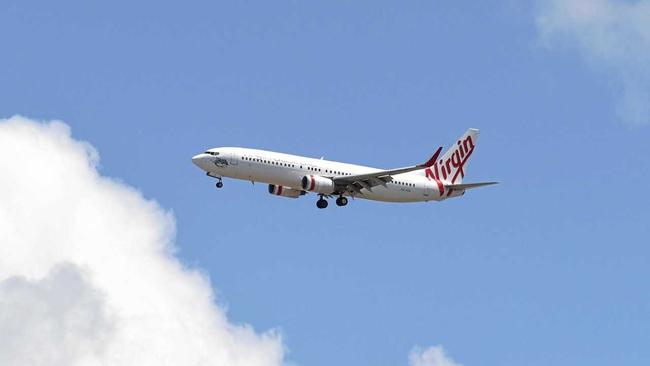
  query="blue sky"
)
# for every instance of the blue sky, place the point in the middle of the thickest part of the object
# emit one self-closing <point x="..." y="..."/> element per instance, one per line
<point x="549" y="267"/>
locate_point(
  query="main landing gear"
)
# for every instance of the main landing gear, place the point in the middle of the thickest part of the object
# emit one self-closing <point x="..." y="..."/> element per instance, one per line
<point x="321" y="203"/>
<point x="219" y="183"/>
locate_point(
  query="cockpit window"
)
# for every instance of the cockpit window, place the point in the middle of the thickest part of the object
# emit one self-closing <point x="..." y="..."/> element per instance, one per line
<point x="214" y="153"/>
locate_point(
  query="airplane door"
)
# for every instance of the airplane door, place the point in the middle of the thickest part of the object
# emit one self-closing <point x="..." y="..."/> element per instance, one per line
<point x="233" y="159"/>
<point x="427" y="189"/>
<point x="233" y="166"/>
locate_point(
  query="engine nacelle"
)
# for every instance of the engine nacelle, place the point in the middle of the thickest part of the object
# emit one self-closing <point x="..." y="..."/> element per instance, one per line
<point x="284" y="191"/>
<point x="318" y="184"/>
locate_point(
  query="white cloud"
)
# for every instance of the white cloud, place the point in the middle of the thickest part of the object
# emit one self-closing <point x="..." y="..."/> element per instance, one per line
<point x="614" y="38"/>
<point x="432" y="356"/>
<point x="87" y="271"/>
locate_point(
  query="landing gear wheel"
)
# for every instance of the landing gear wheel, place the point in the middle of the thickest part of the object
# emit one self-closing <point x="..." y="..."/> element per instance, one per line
<point x="219" y="184"/>
<point x="341" y="201"/>
<point x="321" y="203"/>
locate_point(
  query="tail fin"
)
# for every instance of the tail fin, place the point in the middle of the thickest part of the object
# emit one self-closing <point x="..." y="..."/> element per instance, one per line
<point x="452" y="166"/>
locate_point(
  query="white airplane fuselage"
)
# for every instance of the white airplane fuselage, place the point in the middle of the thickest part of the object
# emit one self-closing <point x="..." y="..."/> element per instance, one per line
<point x="288" y="170"/>
<point x="437" y="179"/>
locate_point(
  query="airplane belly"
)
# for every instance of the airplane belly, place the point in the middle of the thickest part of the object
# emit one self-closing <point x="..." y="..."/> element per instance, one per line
<point x="281" y="177"/>
<point x="391" y="194"/>
<point x="288" y="179"/>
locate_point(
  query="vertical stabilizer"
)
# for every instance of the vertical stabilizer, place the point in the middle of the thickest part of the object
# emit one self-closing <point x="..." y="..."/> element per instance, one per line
<point x="452" y="166"/>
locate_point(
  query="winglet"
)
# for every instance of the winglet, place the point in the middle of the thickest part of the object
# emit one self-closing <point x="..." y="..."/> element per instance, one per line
<point x="433" y="159"/>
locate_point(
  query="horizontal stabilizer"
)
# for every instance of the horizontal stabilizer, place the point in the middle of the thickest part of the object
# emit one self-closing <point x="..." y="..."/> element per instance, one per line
<point x="468" y="185"/>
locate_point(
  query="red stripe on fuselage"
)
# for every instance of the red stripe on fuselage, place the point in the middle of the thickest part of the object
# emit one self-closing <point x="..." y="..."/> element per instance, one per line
<point x="429" y="174"/>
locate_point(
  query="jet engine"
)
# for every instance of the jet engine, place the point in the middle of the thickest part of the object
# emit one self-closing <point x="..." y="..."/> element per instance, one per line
<point x="318" y="184"/>
<point x="284" y="191"/>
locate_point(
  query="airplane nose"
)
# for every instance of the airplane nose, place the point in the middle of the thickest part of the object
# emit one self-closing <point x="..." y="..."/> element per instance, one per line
<point x="196" y="159"/>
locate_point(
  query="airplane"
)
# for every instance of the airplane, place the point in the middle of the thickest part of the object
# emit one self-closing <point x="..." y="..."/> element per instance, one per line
<point x="292" y="176"/>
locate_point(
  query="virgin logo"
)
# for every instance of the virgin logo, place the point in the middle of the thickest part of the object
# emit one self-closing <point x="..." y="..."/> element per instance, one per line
<point x="452" y="166"/>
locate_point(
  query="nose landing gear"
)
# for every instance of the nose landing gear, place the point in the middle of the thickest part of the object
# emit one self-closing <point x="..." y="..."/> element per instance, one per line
<point x="218" y="178"/>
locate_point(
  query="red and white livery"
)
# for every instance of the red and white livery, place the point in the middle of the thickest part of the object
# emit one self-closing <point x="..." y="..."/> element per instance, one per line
<point x="441" y="177"/>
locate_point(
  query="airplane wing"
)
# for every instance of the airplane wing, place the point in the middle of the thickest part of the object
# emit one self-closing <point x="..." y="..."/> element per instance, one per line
<point x="355" y="183"/>
<point x="468" y="185"/>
